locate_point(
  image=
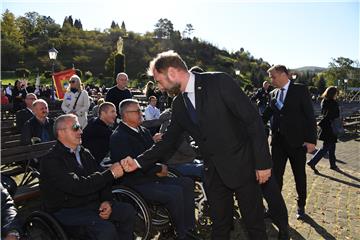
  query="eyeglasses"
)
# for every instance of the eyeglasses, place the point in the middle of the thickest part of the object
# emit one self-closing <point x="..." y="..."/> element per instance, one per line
<point x="72" y="81"/>
<point x="135" y="111"/>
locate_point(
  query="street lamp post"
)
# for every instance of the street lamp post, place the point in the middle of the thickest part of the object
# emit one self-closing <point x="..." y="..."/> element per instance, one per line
<point x="345" y="87"/>
<point x="52" y="55"/>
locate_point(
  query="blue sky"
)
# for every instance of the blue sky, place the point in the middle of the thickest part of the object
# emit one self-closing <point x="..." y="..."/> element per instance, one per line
<point x="294" y="33"/>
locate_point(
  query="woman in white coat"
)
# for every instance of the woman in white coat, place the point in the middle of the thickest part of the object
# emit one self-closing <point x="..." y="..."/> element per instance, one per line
<point x="76" y="100"/>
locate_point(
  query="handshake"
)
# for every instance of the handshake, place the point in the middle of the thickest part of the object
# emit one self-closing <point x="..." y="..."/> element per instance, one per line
<point x="127" y="164"/>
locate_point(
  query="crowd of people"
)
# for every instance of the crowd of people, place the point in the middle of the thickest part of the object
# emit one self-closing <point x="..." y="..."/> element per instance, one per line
<point x="231" y="153"/>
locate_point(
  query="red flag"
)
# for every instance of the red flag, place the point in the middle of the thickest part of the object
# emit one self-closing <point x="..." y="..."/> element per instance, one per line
<point x="61" y="81"/>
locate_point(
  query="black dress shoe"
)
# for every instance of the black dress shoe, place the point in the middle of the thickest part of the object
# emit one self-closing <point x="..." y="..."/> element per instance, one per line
<point x="313" y="168"/>
<point x="300" y="215"/>
<point x="335" y="168"/>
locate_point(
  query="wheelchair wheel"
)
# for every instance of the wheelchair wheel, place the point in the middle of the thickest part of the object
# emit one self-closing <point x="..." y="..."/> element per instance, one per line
<point x="42" y="226"/>
<point x="143" y="224"/>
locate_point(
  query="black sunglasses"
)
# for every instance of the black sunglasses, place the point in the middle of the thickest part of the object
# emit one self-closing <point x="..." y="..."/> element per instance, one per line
<point x="76" y="127"/>
<point x="72" y="81"/>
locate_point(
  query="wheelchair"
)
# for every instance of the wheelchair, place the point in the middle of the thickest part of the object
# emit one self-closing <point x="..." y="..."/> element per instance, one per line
<point x="40" y="225"/>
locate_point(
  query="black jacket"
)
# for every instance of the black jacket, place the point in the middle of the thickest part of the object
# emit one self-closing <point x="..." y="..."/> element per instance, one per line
<point x="229" y="133"/>
<point x="64" y="184"/>
<point x="33" y="128"/>
<point x="9" y="219"/>
<point x="126" y="142"/>
<point x="21" y="117"/>
<point x="296" y="120"/>
<point x="329" y="111"/>
<point x="96" y="138"/>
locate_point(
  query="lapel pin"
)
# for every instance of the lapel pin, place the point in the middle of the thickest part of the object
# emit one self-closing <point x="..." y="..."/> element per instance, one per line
<point x="199" y="88"/>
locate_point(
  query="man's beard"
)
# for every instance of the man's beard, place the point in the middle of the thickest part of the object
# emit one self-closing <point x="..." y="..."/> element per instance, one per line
<point x="174" y="90"/>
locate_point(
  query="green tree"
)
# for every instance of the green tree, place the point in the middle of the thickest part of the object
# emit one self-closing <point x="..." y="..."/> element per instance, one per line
<point x="188" y="31"/>
<point x="12" y="40"/>
<point x="78" y="24"/>
<point x="163" y="28"/>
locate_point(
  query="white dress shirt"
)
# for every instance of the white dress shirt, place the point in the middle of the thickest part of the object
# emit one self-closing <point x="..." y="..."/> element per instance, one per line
<point x="286" y="88"/>
<point x="190" y="89"/>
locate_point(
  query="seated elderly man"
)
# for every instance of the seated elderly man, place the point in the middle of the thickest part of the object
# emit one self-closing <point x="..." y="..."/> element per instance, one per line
<point x="176" y="194"/>
<point x="39" y="128"/>
<point x="96" y="135"/>
<point x="25" y="114"/>
<point x="77" y="191"/>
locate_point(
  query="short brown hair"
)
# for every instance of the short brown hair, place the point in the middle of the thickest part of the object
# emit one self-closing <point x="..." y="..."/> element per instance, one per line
<point x="152" y="97"/>
<point x="103" y="107"/>
<point x="165" y="60"/>
<point x="279" y="68"/>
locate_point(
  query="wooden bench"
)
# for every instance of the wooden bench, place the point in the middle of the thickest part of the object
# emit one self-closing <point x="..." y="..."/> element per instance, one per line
<point x="15" y="162"/>
<point x="352" y="126"/>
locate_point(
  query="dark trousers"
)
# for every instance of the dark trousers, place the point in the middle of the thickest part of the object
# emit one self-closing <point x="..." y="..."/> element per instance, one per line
<point x="276" y="204"/>
<point x="327" y="147"/>
<point x="177" y="196"/>
<point x="221" y="199"/>
<point x="281" y="152"/>
<point x="120" y="226"/>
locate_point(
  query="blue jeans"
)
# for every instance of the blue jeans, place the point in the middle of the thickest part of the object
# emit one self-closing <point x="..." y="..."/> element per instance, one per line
<point x="327" y="147"/>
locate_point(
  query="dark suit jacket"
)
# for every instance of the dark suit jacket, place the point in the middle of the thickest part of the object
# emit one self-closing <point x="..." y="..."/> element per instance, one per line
<point x="295" y="121"/>
<point x="64" y="184"/>
<point x="126" y="142"/>
<point x="96" y="138"/>
<point x="21" y="117"/>
<point x="230" y="133"/>
<point x="33" y="128"/>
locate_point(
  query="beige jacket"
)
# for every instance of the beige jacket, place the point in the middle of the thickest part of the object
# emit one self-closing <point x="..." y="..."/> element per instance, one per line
<point x="82" y="105"/>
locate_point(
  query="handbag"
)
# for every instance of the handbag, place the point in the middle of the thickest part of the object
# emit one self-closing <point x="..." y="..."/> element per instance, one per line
<point x="337" y="127"/>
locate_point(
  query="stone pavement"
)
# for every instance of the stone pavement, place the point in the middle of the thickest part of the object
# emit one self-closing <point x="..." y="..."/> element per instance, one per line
<point x="333" y="203"/>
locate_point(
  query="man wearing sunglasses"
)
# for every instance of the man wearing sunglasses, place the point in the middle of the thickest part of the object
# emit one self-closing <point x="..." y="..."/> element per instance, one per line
<point x="77" y="191"/>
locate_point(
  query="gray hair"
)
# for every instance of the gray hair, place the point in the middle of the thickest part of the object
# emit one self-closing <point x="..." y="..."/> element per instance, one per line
<point x="124" y="104"/>
<point x="122" y="74"/>
<point x="39" y="101"/>
<point x="61" y="121"/>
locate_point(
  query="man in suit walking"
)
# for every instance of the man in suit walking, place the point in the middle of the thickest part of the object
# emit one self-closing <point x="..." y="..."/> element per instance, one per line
<point x="293" y="130"/>
<point x="230" y="134"/>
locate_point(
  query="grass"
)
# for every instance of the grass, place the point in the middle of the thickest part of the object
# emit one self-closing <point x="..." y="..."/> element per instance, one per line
<point x="6" y="81"/>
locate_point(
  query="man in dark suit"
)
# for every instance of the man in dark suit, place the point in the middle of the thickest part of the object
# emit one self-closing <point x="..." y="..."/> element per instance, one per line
<point x="176" y="194"/>
<point x="39" y="128"/>
<point x="293" y="130"/>
<point x="25" y="114"/>
<point x="212" y="108"/>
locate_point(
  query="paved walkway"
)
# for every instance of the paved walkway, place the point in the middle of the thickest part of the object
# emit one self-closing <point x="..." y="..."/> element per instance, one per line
<point x="333" y="204"/>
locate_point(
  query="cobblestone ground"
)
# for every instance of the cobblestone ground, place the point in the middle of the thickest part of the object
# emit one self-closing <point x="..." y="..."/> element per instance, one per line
<point x="333" y="203"/>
